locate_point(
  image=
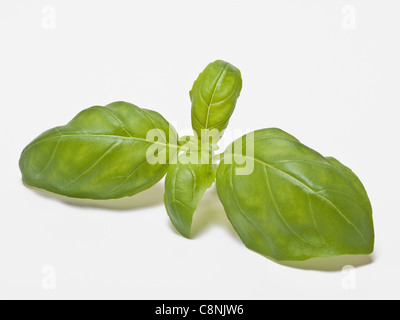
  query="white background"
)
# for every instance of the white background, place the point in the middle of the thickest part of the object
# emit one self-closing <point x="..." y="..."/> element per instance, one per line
<point x="327" y="72"/>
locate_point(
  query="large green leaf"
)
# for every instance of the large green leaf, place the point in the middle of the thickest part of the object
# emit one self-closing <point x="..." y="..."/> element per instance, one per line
<point x="102" y="153"/>
<point x="214" y="95"/>
<point x="295" y="204"/>
<point x="185" y="185"/>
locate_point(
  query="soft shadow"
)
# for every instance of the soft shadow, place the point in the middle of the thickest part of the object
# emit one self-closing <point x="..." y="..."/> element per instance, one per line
<point x="335" y="263"/>
<point x="149" y="198"/>
<point x="210" y="213"/>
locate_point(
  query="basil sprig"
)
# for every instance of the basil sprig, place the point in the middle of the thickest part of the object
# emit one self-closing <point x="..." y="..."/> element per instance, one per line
<point x="285" y="200"/>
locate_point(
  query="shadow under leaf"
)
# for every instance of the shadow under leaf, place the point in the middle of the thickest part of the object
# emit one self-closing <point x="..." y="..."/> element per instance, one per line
<point x="148" y="198"/>
<point x="209" y="212"/>
<point x="334" y="263"/>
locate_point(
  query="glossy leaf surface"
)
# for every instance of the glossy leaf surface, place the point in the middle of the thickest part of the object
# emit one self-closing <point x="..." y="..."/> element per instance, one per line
<point x="214" y="95"/>
<point x="296" y="204"/>
<point x="185" y="185"/>
<point x="102" y="153"/>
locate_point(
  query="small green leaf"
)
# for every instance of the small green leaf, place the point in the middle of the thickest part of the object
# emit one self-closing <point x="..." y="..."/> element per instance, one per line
<point x="214" y="95"/>
<point x="295" y="204"/>
<point x="185" y="185"/>
<point x="102" y="153"/>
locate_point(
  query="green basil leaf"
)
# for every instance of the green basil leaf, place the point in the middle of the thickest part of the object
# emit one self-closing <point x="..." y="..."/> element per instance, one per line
<point x="295" y="204"/>
<point x="102" y="153"/>
<point x="214" y="96"/>
<point x="185" y="185"/>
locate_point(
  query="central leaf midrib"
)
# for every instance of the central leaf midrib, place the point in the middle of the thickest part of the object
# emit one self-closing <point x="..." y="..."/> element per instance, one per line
<point x="212" y="96"/>
<point x="103" y="136"/>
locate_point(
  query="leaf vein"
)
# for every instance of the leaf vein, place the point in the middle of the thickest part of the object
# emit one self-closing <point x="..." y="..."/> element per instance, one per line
<point x="51" y="158"/>
<point x="86" y="135"/>
<point x="245" y="217"/>
<point x="115" y="119"/>
<point x="212" y="96"/>
<point x="279" y="210"/>
<point x="92" y="165"/>
<point x="309" y="189"/>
